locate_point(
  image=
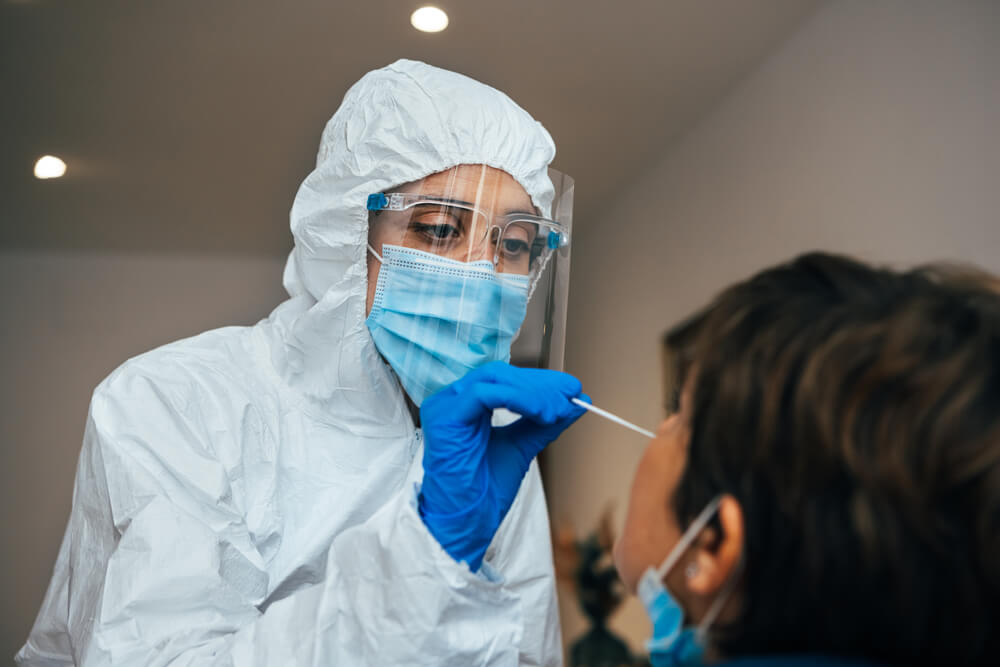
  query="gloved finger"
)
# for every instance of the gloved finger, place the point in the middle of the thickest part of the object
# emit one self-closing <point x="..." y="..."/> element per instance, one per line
<point x="567" y="417"/>
<point x="522" y="441"/>
<point x="570" y="416"/>
<point x="530" y="437"/>
<point x="542" y="405"/>
<point x="528" y="379"/>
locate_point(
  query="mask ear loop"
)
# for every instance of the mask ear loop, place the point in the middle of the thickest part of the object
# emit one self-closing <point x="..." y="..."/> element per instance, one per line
<point x="719" y="602"/>
<point x="688" y="538"/>
<point x="374" y="254"/>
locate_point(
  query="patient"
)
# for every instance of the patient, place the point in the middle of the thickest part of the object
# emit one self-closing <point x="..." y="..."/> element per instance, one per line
<point x="828" y="489"/>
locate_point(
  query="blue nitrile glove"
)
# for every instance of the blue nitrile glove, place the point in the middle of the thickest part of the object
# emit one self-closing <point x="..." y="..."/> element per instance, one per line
<point x="472" y="471"/>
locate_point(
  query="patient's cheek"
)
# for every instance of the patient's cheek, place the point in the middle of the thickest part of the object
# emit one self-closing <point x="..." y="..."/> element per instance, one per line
<point x="651" y="529"/>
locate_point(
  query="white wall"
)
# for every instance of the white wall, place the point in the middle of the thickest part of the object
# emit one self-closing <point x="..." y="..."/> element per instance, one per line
<point x="875" y="130"/>
<point x="68" y="320"/>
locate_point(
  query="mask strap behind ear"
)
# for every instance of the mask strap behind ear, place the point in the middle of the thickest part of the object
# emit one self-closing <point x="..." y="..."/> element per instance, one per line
<point x="719" y="602"/>
<point x="689" y="536"/>
<point x="374" y="254"/>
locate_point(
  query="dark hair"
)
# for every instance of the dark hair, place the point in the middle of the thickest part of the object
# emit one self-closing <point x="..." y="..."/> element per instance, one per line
<point x="854" y="413"/>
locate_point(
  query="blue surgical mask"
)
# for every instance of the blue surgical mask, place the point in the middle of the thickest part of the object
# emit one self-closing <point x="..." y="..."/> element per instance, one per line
<point x="434" y="319"/>
<point x="673" y="644"/>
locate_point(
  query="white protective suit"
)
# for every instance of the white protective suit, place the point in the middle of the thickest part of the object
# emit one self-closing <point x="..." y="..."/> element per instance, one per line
<point x="248" y="496"/>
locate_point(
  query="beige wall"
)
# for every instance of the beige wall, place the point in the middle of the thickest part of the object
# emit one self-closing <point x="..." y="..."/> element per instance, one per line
<point x="69" y="320"/>
<point x="873" y="131"/>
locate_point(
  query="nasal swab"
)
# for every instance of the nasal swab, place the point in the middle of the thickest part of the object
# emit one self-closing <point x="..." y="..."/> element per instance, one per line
<point x="615" y="418"/>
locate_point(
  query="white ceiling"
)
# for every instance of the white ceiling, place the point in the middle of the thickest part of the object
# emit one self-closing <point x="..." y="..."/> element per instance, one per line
<point x="188" y="125"/>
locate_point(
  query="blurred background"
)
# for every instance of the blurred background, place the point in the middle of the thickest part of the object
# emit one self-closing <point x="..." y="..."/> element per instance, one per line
<point x="707" y="140"/>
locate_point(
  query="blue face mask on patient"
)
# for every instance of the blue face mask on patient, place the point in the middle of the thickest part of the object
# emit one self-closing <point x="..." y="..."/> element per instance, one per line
<point x="673" y="644"/>
<point x="434" y="319"/>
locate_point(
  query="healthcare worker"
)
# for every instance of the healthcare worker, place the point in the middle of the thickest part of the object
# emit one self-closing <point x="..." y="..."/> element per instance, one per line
<point x="262" y="495"/>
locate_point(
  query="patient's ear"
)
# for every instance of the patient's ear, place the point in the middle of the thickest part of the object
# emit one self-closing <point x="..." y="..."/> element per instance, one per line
<point x="715" y="557"/>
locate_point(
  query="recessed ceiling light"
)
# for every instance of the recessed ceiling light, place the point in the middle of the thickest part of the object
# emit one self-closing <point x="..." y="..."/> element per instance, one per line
<point x="49" y="166"/>
<point x="429" y="19"/>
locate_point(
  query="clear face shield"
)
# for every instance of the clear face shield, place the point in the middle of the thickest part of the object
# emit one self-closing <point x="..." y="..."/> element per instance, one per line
<point x="464" y="269"/>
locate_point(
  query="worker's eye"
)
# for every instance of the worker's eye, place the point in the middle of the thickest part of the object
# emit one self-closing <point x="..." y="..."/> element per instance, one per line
<point x="517" y="240"/>
<point x="435" y="232"/>
<point x="437" y="224"/>
<point x="512" y="248"/>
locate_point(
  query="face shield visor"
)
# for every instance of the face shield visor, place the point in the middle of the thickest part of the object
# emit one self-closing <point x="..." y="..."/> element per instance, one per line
<point x="464" y="269"/>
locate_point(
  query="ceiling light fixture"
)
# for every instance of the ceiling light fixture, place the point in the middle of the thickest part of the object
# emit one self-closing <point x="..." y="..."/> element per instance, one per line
<point x="429" y="19"/>
<point x="49" y="166"/>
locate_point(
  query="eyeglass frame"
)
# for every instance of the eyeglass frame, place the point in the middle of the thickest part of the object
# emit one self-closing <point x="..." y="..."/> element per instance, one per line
<point x="401" y="201"/>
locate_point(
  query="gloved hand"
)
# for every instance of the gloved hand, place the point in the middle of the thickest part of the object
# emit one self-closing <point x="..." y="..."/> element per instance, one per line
<point x="472" y="471"/>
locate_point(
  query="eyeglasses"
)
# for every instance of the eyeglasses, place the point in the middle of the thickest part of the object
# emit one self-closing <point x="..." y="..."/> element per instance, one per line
<point x="458" y="230"/>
